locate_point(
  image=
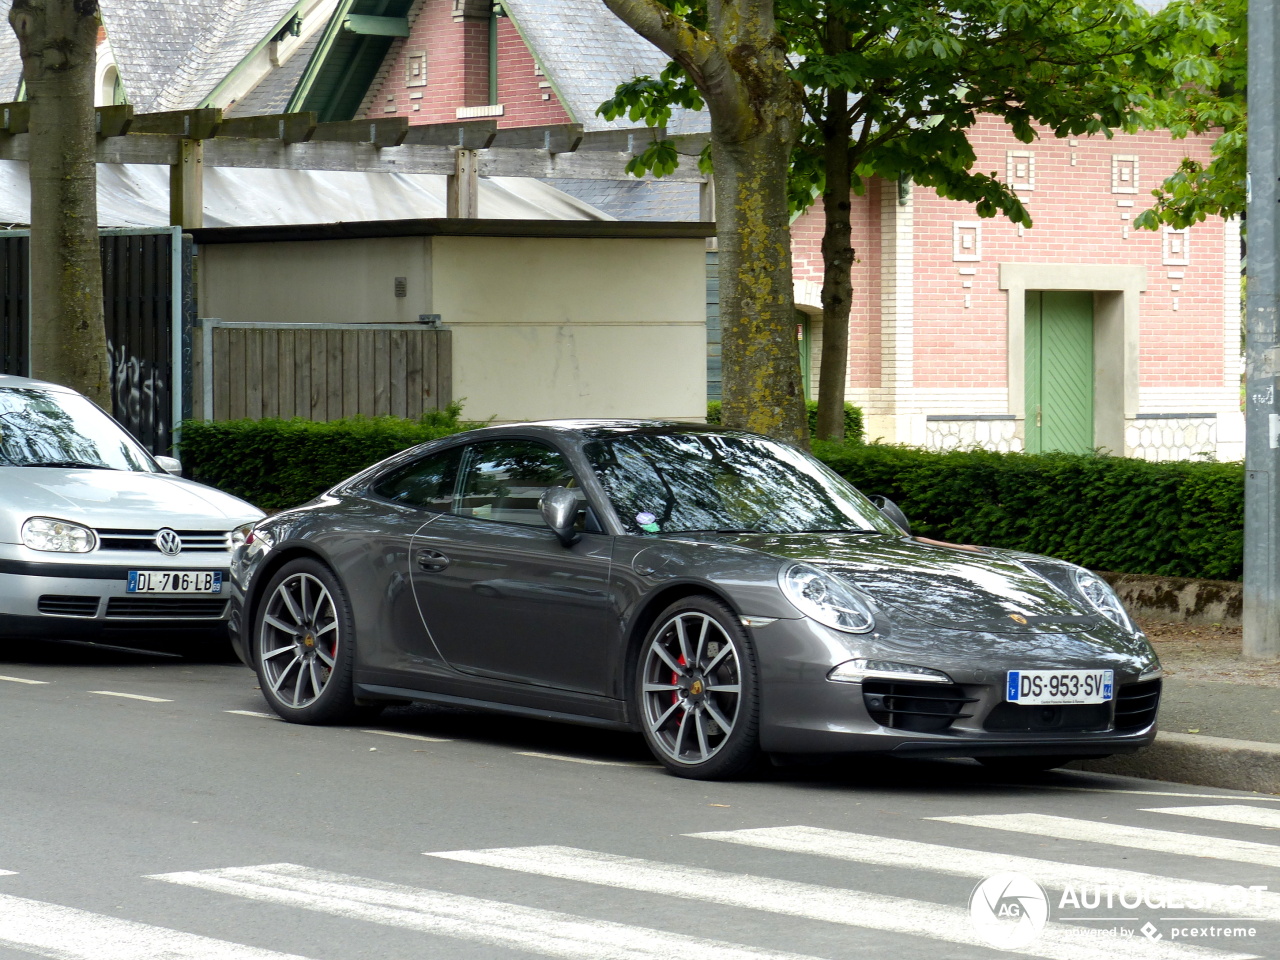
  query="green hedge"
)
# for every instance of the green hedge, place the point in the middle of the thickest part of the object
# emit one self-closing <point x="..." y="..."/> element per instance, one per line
<point x="853" y="432"/>
<point x="1183" y="519"/>
<point x="281" y="463"/>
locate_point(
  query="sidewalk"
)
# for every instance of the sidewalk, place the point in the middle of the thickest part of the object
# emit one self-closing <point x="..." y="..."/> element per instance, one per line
<point x="1219" y="716"/>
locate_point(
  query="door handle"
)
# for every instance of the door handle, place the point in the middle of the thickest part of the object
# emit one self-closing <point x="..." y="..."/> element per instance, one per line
<point x="432" y="561"/>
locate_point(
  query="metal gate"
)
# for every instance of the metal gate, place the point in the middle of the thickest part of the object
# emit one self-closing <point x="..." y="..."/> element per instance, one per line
<point x="149" y="309"/>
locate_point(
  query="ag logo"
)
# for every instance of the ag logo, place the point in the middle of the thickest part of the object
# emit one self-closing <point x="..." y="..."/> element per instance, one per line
<point x="1008" y="910"/>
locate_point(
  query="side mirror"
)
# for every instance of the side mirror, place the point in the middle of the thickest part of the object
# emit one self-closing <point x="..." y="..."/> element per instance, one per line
<point x="893" y="512"/>
<point x="170" y="465"/>
<point x="559" y="509"/>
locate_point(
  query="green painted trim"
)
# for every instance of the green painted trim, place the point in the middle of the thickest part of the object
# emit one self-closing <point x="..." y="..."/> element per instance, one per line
<point x="257" y="48"/>
<point x="367" y="26"/>
<point x="493" y="54"/>
<point x="533" y="52"/>
<point x="331" y="31"/>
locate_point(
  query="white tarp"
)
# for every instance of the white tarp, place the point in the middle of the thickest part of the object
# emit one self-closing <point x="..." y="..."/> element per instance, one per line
<point x="137" y="195"/>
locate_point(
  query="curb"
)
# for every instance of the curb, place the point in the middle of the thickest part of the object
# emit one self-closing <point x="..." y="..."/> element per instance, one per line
<point x="1201" y="761"/>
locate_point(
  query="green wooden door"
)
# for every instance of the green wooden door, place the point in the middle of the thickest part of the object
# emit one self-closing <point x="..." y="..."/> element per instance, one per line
<point x="1059" y="371"/>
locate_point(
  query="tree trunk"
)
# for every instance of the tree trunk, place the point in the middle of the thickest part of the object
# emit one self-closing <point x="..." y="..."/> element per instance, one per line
<point x="738" y="62"/>
<point x="837" y="254"/>
<point x="757" y="313"/>
<point x="58" y="40"/>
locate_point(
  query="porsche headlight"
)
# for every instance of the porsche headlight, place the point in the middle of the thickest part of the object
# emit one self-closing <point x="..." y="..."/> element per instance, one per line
<point x="825" y="598"/>
<point x="57" y="536"/>
<point x="1102" y="598"/>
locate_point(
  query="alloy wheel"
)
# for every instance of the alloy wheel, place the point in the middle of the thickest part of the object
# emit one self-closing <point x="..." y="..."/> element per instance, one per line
<point x="298" y="644"/>
<point x="691" y="687"/>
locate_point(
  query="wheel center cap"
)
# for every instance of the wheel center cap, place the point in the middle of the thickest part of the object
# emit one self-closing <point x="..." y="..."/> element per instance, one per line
<point x="696" y="688"/>
<point x="309" y="640"/>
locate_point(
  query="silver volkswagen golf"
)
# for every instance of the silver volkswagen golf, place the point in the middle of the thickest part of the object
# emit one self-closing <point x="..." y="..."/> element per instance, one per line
<point x="98" y="539"/>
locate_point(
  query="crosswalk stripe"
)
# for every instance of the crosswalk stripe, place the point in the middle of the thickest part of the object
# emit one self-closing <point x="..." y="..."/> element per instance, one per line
<point x="1227" y="813"/>
<point x="1121" y="835"/>
<point x="408" y="736"/>
<point x="868" y="911"/>
<point x="69" y="934"/>
<point x="961" y="862"/>
<point x="469" y="918"/>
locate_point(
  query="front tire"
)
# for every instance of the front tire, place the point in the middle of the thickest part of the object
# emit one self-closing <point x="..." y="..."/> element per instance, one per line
<point x="697" y="691"/>
<point x="304" y="644"/>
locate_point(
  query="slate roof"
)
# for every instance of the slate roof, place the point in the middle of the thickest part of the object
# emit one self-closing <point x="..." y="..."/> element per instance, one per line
<point x="585" y="51"/>
<point x="172" y="53"/>
<point x="10" y="59"/>
<point x="273" y="91"/>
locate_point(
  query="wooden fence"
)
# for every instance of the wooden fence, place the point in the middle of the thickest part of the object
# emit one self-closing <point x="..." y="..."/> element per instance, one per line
<point x="323" y="371"/>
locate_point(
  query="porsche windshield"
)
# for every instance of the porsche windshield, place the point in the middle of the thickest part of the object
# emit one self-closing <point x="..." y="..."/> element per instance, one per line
<point x="727" y="482"/>
<point x="47" y="428"/>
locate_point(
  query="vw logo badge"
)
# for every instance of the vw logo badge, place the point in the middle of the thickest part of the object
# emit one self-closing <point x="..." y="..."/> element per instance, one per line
<point x="168" y="542"/>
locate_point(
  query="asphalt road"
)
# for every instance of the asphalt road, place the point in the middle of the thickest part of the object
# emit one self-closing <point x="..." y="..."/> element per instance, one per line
<point x="151" y="808"/>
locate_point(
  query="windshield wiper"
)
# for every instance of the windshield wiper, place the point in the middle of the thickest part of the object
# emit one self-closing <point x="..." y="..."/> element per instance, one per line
<point x="66" y="463"/>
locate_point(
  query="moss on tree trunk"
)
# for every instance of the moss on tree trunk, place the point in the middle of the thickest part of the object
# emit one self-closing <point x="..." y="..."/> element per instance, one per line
<point x="58" y="40"/>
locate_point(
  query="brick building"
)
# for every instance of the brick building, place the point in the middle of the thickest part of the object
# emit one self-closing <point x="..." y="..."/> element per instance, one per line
<point x="1079" y="333"/>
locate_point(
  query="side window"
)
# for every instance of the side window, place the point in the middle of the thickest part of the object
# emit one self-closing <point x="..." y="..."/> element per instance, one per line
<point x="506" y="478"/>
<point x="428" y="483"/>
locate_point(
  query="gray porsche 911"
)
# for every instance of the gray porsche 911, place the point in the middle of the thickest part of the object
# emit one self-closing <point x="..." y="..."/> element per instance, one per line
<point x="725" y="595"/>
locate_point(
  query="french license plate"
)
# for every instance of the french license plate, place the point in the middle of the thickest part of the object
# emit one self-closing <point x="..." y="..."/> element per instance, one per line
<point x="175" y="581"/>
<point x="1060" y="686"/>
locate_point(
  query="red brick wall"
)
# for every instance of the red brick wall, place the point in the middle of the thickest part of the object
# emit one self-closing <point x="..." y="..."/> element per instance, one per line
<point x="864" y="312"/>
<point x="1076" y="220"/>
<point x="457" y="60"/>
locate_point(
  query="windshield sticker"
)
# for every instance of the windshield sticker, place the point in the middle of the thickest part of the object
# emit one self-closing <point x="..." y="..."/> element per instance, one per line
<point x="647" y="521"/>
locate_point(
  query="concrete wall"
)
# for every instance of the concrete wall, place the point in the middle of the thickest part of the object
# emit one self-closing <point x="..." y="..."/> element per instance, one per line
<point x="542" y="327"/>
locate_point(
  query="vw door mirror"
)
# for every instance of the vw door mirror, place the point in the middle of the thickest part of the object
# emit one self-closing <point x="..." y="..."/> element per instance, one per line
<point x="559" y="509"/>
<point x="893" y="512"/>
<point x="170" y="465"/>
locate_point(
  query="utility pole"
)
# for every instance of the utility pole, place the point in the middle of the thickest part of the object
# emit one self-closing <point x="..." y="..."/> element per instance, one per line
<point x="1262" y="337"/>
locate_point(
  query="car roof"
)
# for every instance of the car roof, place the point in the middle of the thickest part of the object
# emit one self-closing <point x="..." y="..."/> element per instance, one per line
<point x="7" y="381"/>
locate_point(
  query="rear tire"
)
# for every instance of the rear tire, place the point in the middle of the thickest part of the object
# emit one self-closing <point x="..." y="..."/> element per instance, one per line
<point x="697" y="691"/>
<point x="304" y="645"/>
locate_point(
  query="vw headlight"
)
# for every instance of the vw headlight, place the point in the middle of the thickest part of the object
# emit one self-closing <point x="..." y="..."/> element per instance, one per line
<point x="57" y="536"/>
<point x="1103" y="599"/>
<point x="825" y="598"/>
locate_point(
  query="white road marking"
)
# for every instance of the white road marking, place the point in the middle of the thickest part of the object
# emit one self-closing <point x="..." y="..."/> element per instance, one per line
<point x="130" y="696"/>
<point x="960" y="862"/>
<point x="467" y="918"/>
<point x="24" y="680"/>
<point x="868" y="911"/>
<point x="253" y="713"/>
<point x="1144" y="793"/>
<point x="1228" y="813"/>
<point x="595" y="763"/>
<point x="1122" y="835"/>
<point x="68" y="934"/>
<point x="8" y="873"/>
<point x="408" y="736"/>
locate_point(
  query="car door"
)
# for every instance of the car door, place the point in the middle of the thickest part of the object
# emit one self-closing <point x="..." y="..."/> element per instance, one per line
<point x="377" y="558"/>
<point x="500" y="595"/>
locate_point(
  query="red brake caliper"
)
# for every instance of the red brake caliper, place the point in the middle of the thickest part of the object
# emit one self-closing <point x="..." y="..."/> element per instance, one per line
<point x="675" y="679"/>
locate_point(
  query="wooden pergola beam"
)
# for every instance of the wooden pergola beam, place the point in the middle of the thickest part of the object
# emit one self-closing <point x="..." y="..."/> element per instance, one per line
<point x="285" y="127"/>
<point x="364" y="157"/>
